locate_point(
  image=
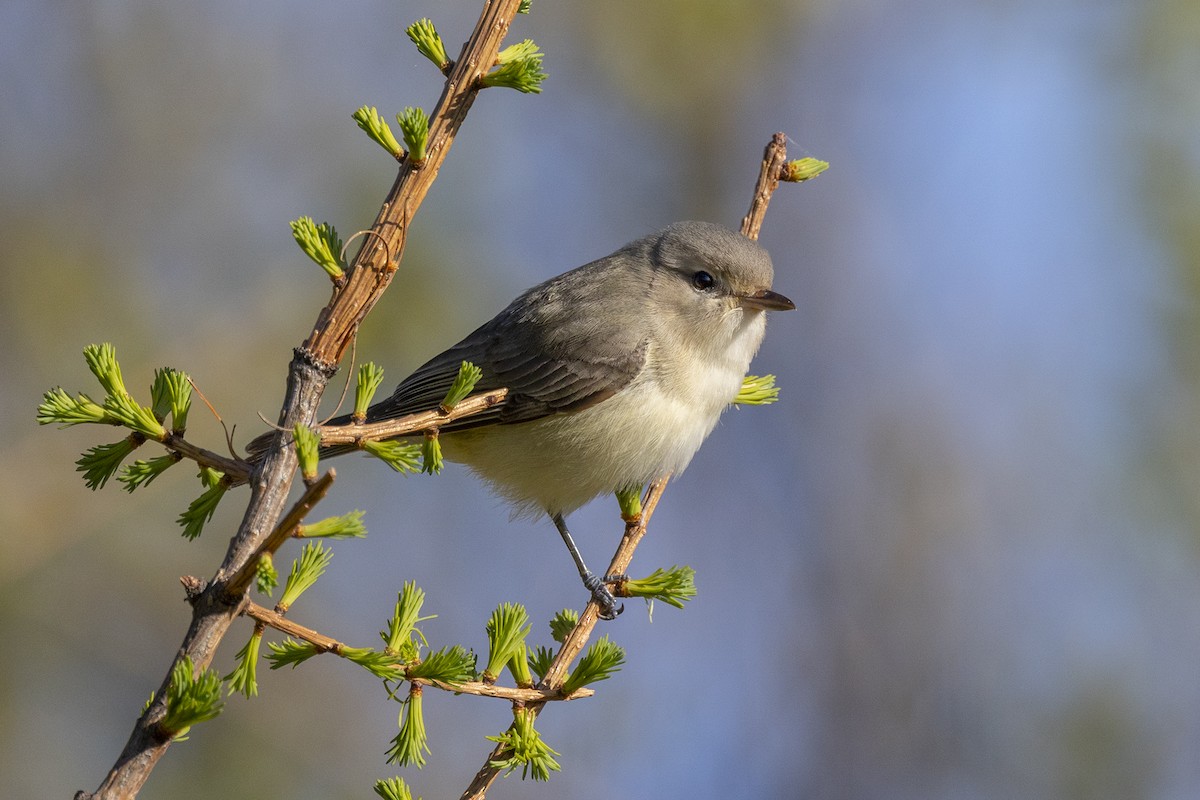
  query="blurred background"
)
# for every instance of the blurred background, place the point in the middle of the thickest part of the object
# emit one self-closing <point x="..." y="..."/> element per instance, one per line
<point x="958" y="559"/>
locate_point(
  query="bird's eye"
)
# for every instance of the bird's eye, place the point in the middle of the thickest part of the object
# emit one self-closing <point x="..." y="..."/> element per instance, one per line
<point x="703" y="281"/>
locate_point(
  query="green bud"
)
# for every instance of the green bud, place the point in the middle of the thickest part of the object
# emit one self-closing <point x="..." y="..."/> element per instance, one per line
<point x="376" y="127"/>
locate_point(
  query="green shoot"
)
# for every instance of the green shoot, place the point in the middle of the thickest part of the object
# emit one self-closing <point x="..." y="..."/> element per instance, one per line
<point x="630" y="501"/>
<point x="99" y="463"/>
<point x="142" y="473"/>
<point x="244" y="676"/>
<point x="757" y="390"/>
<point x="290" y="652"/>
<point x="674" y="586"/>
<point x="266" y="577"/>
<point x="410" y="745"/>
<point x="171" y="393"/>
<point x="431" y="454"/>
<point x="428" y="42"/>
<point x="464" y="384"/>
<point x="540" y="660"/>
<point x="402" y="637"/>
<point x="803" y="169"/>
<point x="563" y="623"/>
<point x="322" y="244"/>
<point x="203" y="507"/>
<point x="308" y="444"/>
<point x="393" y="789"/>
<point x="136" y="417"/>
<point x="347" y="526"/>
<point x="414" y="127"/>
<point x="600" y="661"/>
<point x="523" y="72"/>
<point x="102" y="361"/>
<point x="370" y="375"/>
<point x="453" y="664"/>
<point x="58" y="407"/>
<point x="524" y="748"/>
<point x="506" y="631"/>
<point x="518" y="665"/>
<point x="305" y="571"/>
<point x="379" y="663"/>
<point x="400" y="456"/>
<point x="377" y="128"/>
<point x="518" y="51"/>
<point x="191" y="698"/>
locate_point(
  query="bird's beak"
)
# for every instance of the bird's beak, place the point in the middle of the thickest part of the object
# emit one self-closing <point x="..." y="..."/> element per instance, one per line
<point x="766" y="300"/>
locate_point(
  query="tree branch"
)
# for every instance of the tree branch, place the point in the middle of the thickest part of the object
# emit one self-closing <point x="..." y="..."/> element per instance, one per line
<point x="412" y="423"/>
<point x="326" y="644"/>
<point x="313" y="364"/>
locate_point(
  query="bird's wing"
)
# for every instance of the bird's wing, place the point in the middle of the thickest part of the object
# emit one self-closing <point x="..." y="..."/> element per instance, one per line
<point x="547" y="368"/>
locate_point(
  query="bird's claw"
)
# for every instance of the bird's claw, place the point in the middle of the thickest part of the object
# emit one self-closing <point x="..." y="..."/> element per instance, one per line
<point x="603" y="597"/>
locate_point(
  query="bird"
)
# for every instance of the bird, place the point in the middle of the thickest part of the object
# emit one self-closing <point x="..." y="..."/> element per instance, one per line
<point x="615" y="371"/>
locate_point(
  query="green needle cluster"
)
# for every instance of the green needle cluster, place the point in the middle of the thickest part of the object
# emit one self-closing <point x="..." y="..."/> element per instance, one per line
<point x="244" y="678"/>
<point x="393" y="789"/>
<point x="266" y="577"/>
<point x="518" y="67"/>
<point x="674" y="586"/>
<point x="402" y="638"/>
<point x="600" y="661"/>
<point x="464" y="383"/>
<point x="562" y="623"/>
<point x="506" y="632"/>
<point x="757" y="390"/>
<point x="322" y="244"/>
<point x="414" y="127"/>
<point x="803" y="169"/>
<point x="191" y="698"/>
<point x="289" y="652"/>
<point x="431" y="454"/>
<point x="347" y="526"/>
<point x="58" y="407"/>
<point x="141" y="473"/>
<point x="630" y="501"/>
<point x="200" y="511"/>
<point x="308" y="446"/>
<point x="540" y="660"/>
<point x="171" y="394"/>
<point x="524" y="748"/>
<point x="376" y="127"/>
<point x="403" y="457"/>
<point x="101" y="462"/>
<point x="425" y="36"/>
<point x="453" y="664"/>
<point x="370" y="375"/>
<point x="313" y="561"/>
<point x="411" y="744"/>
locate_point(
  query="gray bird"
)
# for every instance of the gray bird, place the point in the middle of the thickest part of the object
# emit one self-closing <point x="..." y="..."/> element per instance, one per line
<point x="616" y="372"/>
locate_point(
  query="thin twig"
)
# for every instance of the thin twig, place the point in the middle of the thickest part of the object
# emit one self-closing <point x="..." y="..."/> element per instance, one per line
<point x="326" y="644"/>
<point x="774" y="157"/>
<point x="237" y="584"/>
<point x="412" y="423"/>
<point x="237" y="472"/>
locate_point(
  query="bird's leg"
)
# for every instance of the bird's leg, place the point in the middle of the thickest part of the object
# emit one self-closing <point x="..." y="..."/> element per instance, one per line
<point x="598" y="588"/>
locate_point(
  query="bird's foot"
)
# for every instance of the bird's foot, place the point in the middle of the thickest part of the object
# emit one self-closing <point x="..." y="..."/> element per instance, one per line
<point x="602" y="596"/>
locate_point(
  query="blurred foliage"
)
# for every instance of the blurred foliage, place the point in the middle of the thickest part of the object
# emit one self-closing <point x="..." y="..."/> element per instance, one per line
<point x="1167" y="140"/>
<point x="941" y="618"/>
